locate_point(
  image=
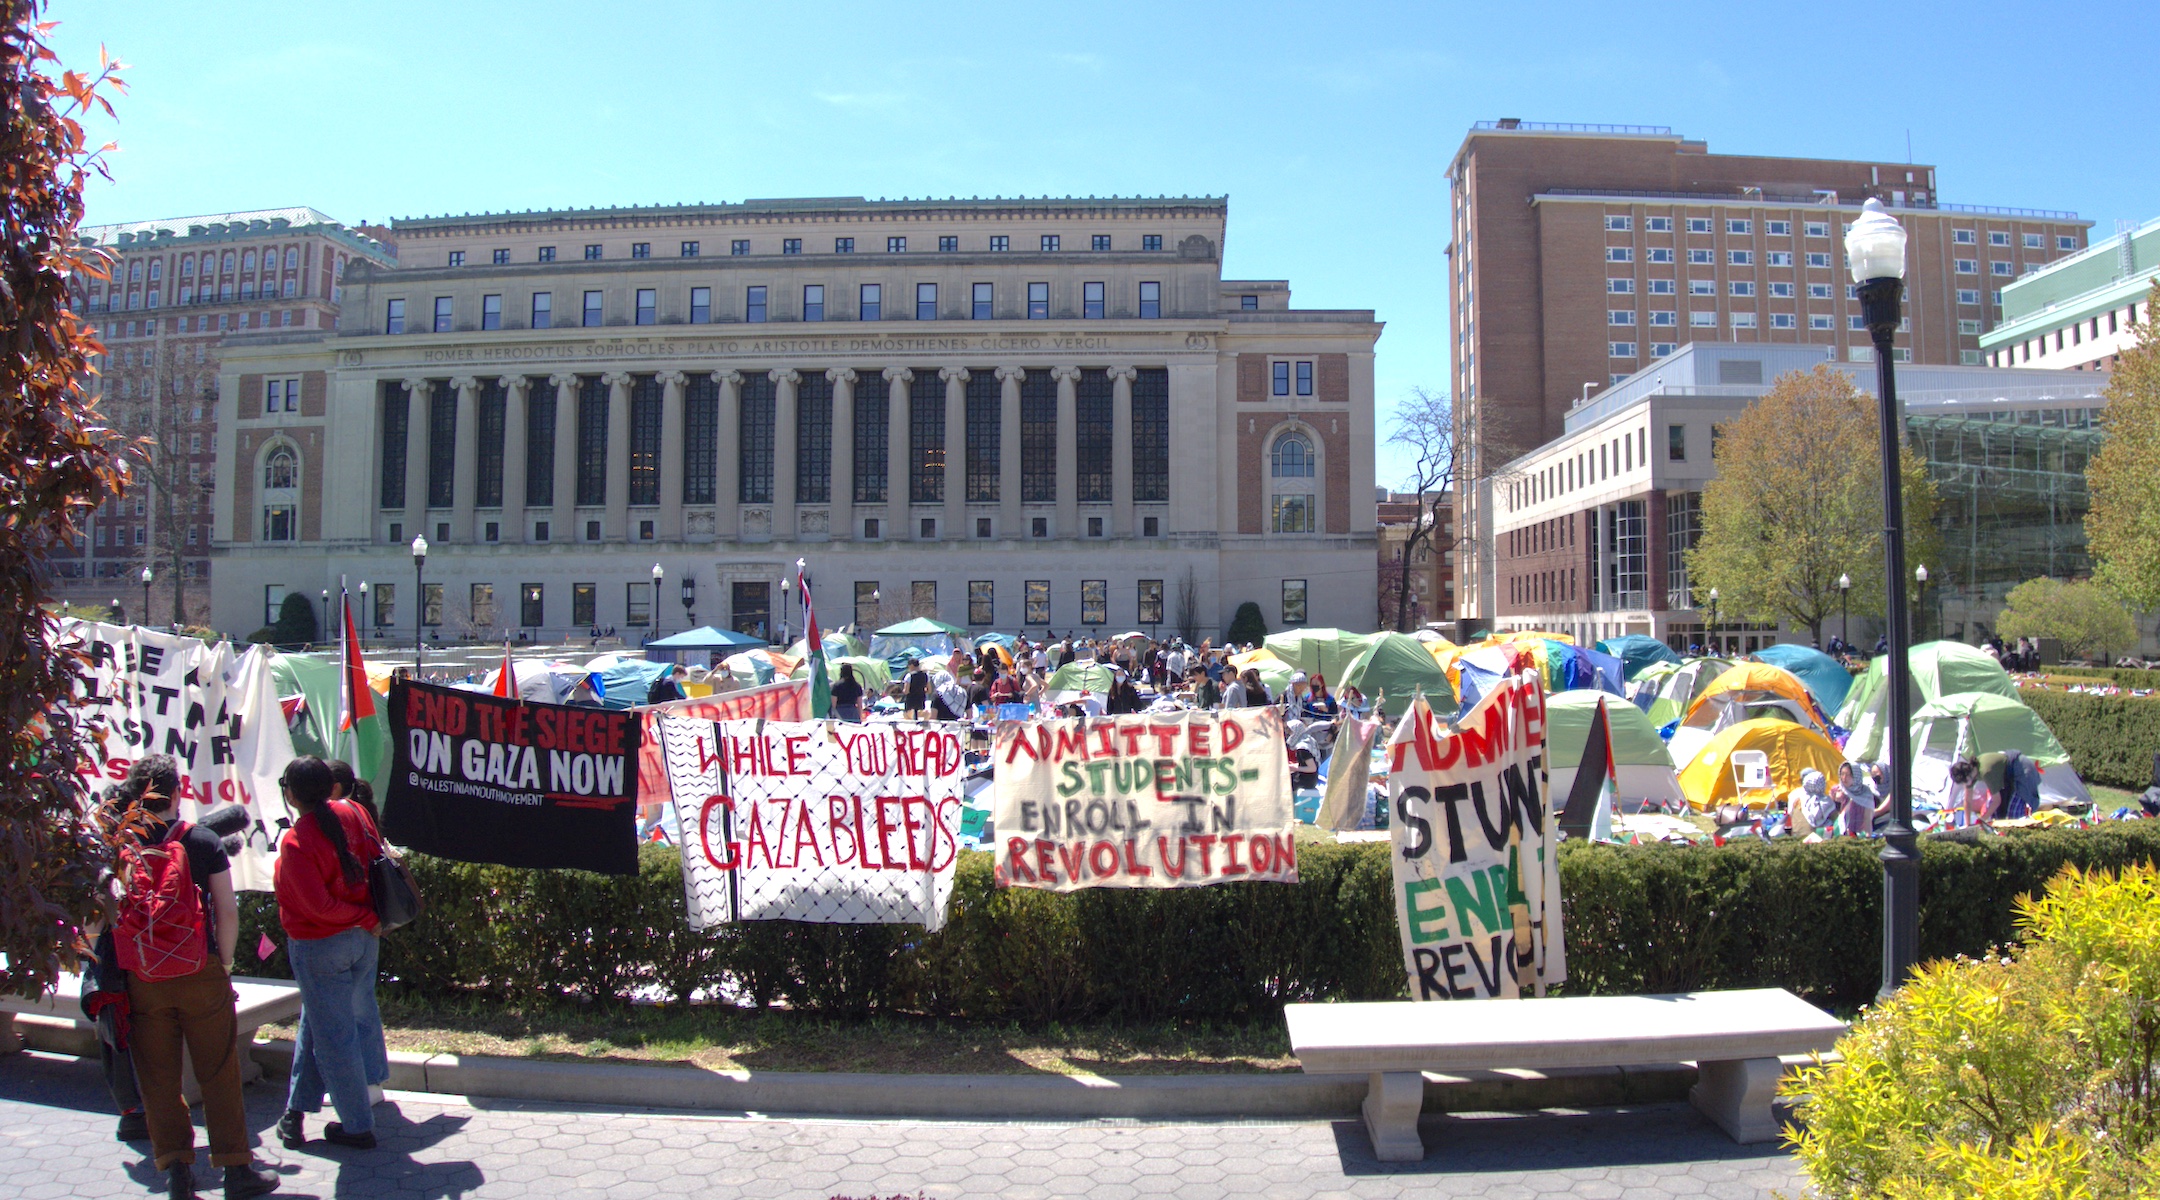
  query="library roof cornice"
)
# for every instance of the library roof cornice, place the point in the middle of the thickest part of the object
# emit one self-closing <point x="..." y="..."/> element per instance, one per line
<point x="826" y="207"/>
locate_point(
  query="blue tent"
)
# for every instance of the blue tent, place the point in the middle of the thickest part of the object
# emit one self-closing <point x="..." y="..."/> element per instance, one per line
<point x="705" y="637"/>
<point x="1826" y="678"/>
<point x="1637" y="651"/>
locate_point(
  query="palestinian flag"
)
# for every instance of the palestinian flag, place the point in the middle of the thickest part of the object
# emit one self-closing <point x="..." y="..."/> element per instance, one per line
<point x="820" y="679"/>
<point x="363" y="728"/>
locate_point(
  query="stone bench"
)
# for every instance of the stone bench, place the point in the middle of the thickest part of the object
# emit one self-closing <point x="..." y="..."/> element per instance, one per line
<point x="261" y="1002"/>
<point x="1735" y="1038"/>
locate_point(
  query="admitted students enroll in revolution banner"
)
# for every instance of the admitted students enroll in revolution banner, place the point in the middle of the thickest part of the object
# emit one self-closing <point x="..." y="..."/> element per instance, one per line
<point x="489" y="779"/>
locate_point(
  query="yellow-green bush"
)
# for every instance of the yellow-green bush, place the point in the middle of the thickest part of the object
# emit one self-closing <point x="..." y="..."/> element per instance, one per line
<point x="2032" y="1073"/>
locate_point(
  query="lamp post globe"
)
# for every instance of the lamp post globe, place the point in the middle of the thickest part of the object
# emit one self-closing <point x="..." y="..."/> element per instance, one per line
<point x="364" y="605"/>
<point x="147" y="576"/>
<point x="419" y="609"/>
<point x="658" y="573"/>
<point x="1875" y="248"/>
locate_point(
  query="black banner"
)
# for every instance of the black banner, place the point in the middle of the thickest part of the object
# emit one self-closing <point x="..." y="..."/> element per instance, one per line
<point x="485" y="779"/>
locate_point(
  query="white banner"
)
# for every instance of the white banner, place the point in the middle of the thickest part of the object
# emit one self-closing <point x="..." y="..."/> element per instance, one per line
<point x="1148" y="800"/>
<point x="826" y="821"/>
<point x="1477" y="887"/>
<point x="215" y="712"/>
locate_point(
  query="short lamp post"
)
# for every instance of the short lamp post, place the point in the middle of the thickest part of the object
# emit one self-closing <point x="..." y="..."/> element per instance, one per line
<point x="1875" y="249"/>
<point x="419" y="605"/>
<point x="147" y="576"/>
<point x="1920" y="576"/>
<point x="658" y="573"/>
<point x="326" y="620"/>
<point x="1844" y="599"/>
<point x="1714" y="647"/>
<point x="366" y="613"/>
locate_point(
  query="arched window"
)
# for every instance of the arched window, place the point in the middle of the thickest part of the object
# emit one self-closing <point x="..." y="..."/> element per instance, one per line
<point x="228" y="260"/>
<point x="247" y="261"/>
<point x="292" y="258"/>
<point x="187" y="266"/>
<point x="1293" y="457"/>
<point x="156" y="268"/>
<point x="278" y="469"/>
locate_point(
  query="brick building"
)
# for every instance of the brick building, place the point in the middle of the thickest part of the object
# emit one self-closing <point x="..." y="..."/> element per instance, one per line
<point x="178" y="289"/>
<point x="1580" y="254"/>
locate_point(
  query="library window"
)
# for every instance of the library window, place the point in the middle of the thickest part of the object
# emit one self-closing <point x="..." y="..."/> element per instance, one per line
<point x="592" y="308"/>
<point x="689" y="249"/>
<point x="999" y="243"/>
<point x="1100" y="241"/>
<point x="754" y="308"/>
<point x="739" y="246"/>
<point x="1091" y="301"/>
<point x="700" y="306"/>
<point x="592" y="251"/>
<point x="870" y="304"/>
<point x="982" y="301"/>
<point x="948" y="245"/>
<point x="444" y="310"/>
<point x="791" y="245"/>
<point x="813" y="302"/>
<point x="1050" y="243"/>
<point x="1094" y="602"/>
<point x="841" y="245"/>
<point x="896" y="245"/>
<point x="648" y="306"/>
<point x="926" y="302"/>
<point x="1150" y="300"/>
<point x="1151" y="241"/>
<point x="1038" y="301"/>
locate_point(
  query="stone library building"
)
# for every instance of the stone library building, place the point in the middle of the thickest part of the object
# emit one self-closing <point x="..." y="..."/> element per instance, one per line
<point x="1047" y="415"/>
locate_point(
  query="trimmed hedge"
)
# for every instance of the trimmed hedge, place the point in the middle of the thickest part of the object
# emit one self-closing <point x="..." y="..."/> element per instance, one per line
<point x="1639" y="919"/>
<point x="2111" y="739"/>
<point x="2128" y="677"/>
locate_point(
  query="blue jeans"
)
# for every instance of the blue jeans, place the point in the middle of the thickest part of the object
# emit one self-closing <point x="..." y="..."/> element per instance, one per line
<point x="339" y="1026"/>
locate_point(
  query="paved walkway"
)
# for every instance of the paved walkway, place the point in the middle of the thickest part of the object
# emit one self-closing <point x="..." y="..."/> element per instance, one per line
<point x="56" y="1143"/>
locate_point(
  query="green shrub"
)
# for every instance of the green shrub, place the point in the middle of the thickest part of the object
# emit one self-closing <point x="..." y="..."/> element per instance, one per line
<point x="1639" y="919"/>
<point x="1246" y="625"/>
<point x="2025" y="1075"/>
<point x="2111" y="739"/>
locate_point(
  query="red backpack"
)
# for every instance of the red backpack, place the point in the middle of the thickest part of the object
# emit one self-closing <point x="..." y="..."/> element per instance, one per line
<point x="162" y="932"/>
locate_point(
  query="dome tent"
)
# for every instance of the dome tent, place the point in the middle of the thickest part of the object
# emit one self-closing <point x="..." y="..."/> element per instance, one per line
<point x="1642" y="768"/>
<point x="1400" y="666"/>
<point x="1326" y="652"/>
<point x="1824" y="676"/>
<point x="1746" y="691"/>
<point x="1677" y="691"/>
<point x="1707" y="779"/>
<point x="1939" y="669"/>
<point x="1637" y="651"/>
<point x="1971" y="724"/>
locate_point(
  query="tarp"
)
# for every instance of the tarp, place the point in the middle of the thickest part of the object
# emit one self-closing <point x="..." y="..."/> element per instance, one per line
<point x="756" y="666"/>
<point x="1641" y="764"/>
<point x="1329" y="652"/>
<point x="1400" y="666"/>
<point x="1824" y="676"/>
<point x="1636" y="651"/>
<point x="926" y="634"/>
<point x="1938" y="669"/>
<point x="705" y="637"/>
<point x="1707" y="779"/>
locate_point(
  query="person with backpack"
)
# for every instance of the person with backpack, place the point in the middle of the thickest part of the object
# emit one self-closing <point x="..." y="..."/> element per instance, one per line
<point x="177" y="931"/>
<point x="328" y="915"/>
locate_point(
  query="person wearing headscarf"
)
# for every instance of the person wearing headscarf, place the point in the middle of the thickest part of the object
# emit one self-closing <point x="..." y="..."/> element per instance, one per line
<point x="1812" y="800"/>
<point x="1857" y="794"/>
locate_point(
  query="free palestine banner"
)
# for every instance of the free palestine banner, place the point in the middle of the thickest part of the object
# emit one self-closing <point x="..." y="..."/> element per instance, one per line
<point x="824" y="821"/>
<point x="1477" y="886"/>
<point x="1147" y="800"/>
<point x="215" y="712"/>
<point x="491" y="779"/>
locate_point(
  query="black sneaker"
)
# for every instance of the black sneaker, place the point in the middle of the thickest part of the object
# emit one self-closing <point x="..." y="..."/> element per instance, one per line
<point x="134" y="1127"/>
<point x="180" y="1181"/>
<point x="334" y="1132"/>
<point x="292" y="1129"/>
<point x="245" y="1180"/>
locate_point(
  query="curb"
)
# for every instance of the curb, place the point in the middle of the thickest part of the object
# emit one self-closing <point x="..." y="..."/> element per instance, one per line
<point x="975" y="1097"/>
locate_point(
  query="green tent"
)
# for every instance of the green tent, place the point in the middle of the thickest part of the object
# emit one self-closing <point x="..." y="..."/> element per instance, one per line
<point x="1642" y="768"/>
<point x="1677" y="690"/>
<point x="1637" y="652"/>
<point x="1939" y="669"/>
<point x="921" y="627"/>
<point x="1067" y="682"/>
<point x="1328" y="652"/>
<point x="315" y="731"/>
<point x="1400" y="666"/>
<point x="874" y="674"/>
<point x="1985" y="723"/>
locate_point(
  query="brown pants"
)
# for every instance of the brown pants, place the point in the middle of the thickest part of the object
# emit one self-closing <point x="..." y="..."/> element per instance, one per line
<point x="196" y="1010"/>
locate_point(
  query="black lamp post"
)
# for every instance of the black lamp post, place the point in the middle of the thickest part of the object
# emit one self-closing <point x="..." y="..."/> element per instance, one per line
<point x="1920" y="576"/>
<point x="326" y="621"/>
<point x="785" y="584"/>
<point x="1844" y="598"/>
<point x="1714" y="647"/>
<point x="419" y="607"/>
<point x="689" y="601"/>
<point x="119" y="617"/>
<point x="366" y="613"/>
<point x="1875" y="248"/>
<point x="147" y="576"/>
<point x="658" y="573"/>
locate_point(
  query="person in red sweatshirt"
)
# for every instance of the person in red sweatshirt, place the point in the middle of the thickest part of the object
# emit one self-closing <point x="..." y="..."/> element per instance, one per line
<point x="329" y="919"/>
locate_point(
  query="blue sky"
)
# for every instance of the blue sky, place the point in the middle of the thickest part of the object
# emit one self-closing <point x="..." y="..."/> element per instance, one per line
<point x="1329" y="126"/>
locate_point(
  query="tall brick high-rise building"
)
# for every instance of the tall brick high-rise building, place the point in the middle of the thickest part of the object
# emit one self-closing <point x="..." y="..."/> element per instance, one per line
<point x="1580" y="254"/>
<point x="178" y="288"/>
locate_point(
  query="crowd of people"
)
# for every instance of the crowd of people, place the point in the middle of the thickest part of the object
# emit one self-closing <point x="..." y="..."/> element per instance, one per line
<point x="159" y="981"/>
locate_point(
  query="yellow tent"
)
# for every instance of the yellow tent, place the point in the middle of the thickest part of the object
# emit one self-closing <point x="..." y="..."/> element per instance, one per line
<point x="1707" y="779"/>
<point x="1254" y="658"/>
